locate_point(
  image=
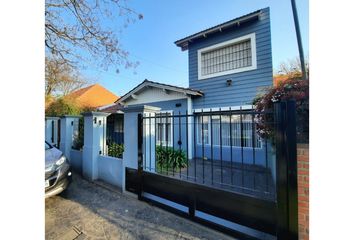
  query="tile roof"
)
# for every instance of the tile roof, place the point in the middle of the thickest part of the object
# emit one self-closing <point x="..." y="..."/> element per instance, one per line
<point x="93" y="96"/>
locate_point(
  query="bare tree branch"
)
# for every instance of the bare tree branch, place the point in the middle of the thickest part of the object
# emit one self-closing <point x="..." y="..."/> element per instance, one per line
<point x="84" y="33"/>
<point x="61" y="78"/>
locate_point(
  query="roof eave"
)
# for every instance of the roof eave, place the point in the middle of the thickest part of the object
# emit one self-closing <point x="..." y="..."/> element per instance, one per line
<point x="183" y="43"/>
<point x="162" y="86"/>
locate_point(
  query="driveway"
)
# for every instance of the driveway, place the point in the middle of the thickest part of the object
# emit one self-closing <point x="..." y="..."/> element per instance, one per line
<point x="89" y="211"/>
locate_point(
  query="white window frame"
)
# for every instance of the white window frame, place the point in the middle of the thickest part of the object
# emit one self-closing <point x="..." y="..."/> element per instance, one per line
<point x="199" y="141"/>
<point x="199" y="128"/>
<point x="163" y="143"/>
<point x="251" y="36"/>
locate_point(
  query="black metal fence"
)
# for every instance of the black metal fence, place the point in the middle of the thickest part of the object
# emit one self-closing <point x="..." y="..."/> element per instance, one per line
<point x="78" y="133"/>
<point x="114" y="136"/>
<point x="222" y="149"/>
<point x="200" y="190"/>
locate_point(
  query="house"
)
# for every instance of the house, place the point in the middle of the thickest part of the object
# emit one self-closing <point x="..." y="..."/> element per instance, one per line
<point x="93" y="96"/>
<point x="229" y="64"/>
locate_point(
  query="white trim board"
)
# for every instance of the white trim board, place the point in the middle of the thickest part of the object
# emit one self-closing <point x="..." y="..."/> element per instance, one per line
<point x="152" y="95"/>
<point x="243" y="107"/>
<point x="251" y="36"/>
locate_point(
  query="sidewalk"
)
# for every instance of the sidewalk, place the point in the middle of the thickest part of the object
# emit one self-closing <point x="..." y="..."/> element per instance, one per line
<point x="88" y="211"/>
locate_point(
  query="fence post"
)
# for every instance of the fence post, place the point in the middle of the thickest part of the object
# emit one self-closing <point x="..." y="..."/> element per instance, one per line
<point x="51" y="130"/>
<point x="140" y="128"/>
<point x="286" y="173"/>
<point x="133" y="140"/>
<point x="66" y="133"/>
<point x="94" y="143"/>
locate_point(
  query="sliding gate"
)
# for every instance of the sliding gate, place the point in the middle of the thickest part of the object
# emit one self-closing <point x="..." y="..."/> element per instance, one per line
<point x="222" y="169"/>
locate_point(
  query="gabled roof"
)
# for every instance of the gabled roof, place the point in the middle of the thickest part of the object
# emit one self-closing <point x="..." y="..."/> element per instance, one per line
<point x="183" y="43"/>
<point x="146" y="83"/>
<point x="79" y="92"/>
<point x="93" y="96"/>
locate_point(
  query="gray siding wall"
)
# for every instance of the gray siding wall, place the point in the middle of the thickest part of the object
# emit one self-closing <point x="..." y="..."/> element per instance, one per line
<point x="246" y="84"/>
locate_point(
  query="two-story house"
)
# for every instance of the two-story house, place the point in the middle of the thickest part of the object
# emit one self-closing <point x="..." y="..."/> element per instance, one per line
<point x="228" y="65"/>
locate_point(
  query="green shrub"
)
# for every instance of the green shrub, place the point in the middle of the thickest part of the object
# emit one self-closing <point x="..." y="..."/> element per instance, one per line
<point x="115" y="150"/>
<point x="63" y="106"/>
<point x="295" y="89"/>
<point x="169" y="158"/>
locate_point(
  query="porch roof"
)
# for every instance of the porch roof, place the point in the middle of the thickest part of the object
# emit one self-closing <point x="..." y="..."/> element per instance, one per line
<point x="165" y="87"/>
<point x="111" y="108"/>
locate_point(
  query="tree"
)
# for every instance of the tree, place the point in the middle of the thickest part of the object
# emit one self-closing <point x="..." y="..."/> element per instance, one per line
<point x="296" y="89"/>
<point x="63" y="106"/>
<point x="291" y="69"/>
<point x="77" y="31"/>
<point x="61" y="78"/>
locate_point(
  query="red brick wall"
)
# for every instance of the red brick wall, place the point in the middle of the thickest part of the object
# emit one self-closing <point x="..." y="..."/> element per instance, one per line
<point x="303" y="190"/>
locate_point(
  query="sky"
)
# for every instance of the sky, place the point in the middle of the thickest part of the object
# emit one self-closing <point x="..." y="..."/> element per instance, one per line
<point x="151" y="40"/>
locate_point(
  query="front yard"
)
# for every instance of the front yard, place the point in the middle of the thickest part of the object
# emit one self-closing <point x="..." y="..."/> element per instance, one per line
<point x="88" y="211"/>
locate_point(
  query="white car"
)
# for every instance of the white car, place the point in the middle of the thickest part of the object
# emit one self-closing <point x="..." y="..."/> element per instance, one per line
<point x="57" y="171"/>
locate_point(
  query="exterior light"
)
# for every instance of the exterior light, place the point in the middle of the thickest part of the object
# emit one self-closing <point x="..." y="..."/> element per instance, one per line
<point x="228" y="82"/>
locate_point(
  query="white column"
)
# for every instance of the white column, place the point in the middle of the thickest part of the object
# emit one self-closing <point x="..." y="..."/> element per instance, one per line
<point x="149" y="142"/>
<point x="94" y="143"/>
<point x="190" y="129"/>
<point x="130" y="155"/>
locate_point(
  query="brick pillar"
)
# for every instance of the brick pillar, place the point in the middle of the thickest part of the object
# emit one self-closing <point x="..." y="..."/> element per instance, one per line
<point x="303" y="190"/>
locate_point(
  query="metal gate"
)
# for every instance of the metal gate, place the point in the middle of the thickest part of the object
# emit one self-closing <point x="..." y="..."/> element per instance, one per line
<point x="52" y="131"/>
<point x="222" y="169"/>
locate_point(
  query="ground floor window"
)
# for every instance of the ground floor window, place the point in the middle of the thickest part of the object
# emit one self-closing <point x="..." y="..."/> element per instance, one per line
<point x="216" y="129"/>
<point x="164" y="124"/>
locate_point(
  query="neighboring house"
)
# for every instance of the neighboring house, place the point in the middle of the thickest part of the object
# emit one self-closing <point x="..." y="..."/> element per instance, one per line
<point x="228" y="65"/>
<point x="93" y="96"/>
<point x="96" y="96"/>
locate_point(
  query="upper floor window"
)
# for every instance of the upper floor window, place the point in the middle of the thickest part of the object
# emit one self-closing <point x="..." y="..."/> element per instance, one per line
<point x="236" y="55"/>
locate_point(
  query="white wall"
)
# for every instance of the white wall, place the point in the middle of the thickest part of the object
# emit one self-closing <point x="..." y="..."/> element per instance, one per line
<point x="110" y="170"/>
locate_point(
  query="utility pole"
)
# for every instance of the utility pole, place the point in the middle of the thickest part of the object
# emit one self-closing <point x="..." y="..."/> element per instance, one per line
<point x="299" y="42"/>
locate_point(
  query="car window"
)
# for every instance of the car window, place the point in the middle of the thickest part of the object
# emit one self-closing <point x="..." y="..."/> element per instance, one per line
<point x="47" y="146"/>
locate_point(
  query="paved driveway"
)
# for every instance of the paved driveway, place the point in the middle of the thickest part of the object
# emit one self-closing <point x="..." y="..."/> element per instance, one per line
<point x="88" y="211"/>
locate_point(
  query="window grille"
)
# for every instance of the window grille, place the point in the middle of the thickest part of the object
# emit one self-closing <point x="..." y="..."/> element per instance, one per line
<point x="164" y="124"/>
<point x="247" y="130"/>
<point x="238" y="55"/>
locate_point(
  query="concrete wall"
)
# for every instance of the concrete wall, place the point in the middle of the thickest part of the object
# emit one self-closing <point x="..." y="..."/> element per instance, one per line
<point x="110" y="170"/>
